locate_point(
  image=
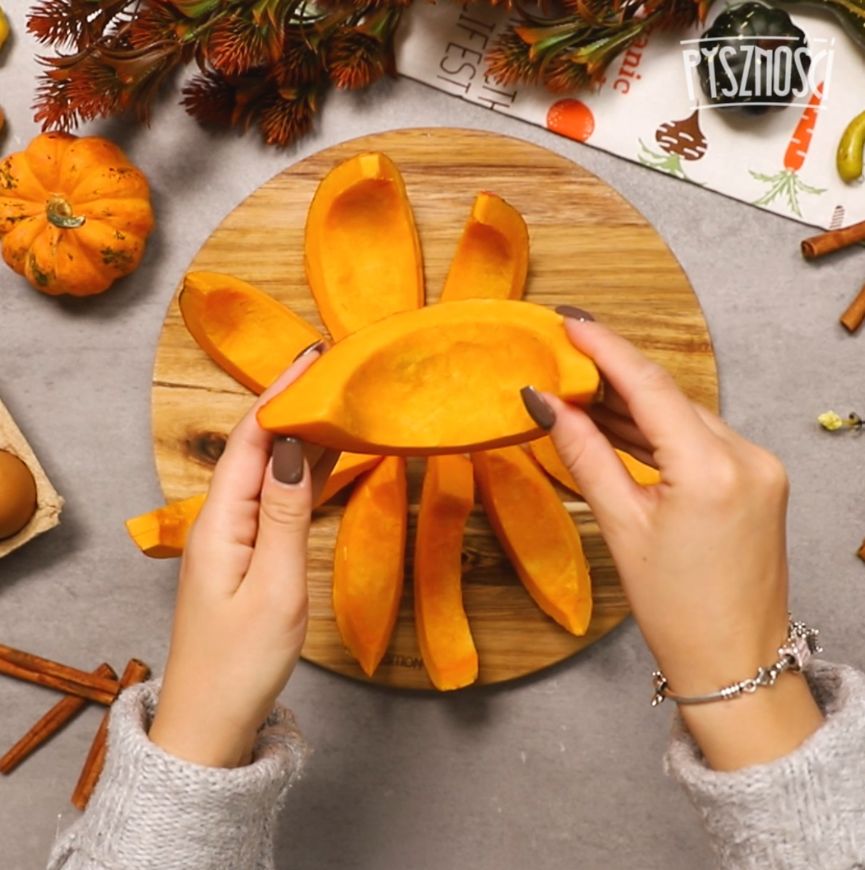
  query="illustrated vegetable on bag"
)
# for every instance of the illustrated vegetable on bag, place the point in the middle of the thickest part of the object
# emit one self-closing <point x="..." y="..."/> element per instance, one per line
<point x="74" y="214"/>
<point x="787" y="184"/>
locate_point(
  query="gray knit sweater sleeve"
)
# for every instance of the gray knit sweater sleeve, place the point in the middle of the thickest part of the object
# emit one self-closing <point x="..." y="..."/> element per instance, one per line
<point x="152" y="811"/>
<point x="806" y="810"/>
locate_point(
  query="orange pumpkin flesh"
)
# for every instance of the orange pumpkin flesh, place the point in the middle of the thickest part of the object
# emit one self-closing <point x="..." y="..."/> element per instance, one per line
<point x="544" y="451"/>
<point x="348" y="468"/>
<point x="497" y="244"/>
<point x="243" y="330"/>
<point x="162" y="533"/>
<point x="492" y="257"/>
<point x="358" y="206"/>
<point x="443" y="379"/>
<point x="491" y="261"/>
<point x="368" y="562"/>
<point x="443" y="632"/>
<point x="362" y="251"/>
<point x="537" y="533"/>
<point x="363" y="262"/>
<point x="74" y="214"/>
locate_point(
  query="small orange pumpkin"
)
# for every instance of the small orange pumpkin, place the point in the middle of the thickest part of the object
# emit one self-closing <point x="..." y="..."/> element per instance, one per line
<point x="74" y="214"/>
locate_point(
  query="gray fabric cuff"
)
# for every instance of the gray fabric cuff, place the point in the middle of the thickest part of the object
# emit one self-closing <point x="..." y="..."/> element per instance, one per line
<point x="805" y="810"/>
<point x="152" y="810"/>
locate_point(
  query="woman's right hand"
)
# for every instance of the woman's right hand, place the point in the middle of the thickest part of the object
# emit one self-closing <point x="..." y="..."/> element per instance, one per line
<point x="701" y="555"/>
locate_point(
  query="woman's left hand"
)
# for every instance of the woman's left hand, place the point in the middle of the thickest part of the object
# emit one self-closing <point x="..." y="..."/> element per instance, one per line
<point x="241" y="610"/>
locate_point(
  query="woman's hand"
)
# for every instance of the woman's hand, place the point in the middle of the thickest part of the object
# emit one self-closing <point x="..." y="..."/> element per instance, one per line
<point x="702" y="555"/>
<point x="242" y="601"/>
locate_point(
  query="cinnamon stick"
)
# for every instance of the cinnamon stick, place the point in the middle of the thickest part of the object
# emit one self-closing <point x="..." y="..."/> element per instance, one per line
<point x="60" y="715"/>
<point x="70" y="681"/>
<point x="834" y="240"/>
<point x="135" y="672"/>
<point x="852" y="318"/>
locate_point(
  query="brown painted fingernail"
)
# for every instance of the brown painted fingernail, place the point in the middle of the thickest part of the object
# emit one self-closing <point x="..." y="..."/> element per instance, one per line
<point x="316" y="346"/>
<point x="288" y="459"/>
<point x="538" y="408"/>
<point x="574" y="313"/>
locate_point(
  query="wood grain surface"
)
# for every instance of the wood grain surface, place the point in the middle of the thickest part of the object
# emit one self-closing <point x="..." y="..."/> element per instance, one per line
<point x="589" y="247"/>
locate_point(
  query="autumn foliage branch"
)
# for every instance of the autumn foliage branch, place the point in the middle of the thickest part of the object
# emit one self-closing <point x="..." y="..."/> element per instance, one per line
<point x="269" y="63"/>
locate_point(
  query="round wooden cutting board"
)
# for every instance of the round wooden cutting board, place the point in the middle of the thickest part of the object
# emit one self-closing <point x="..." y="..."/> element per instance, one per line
<point x="589" y="247"/>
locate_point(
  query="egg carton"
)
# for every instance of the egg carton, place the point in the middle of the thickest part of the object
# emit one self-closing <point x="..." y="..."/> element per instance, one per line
<point x="48" y="501"/>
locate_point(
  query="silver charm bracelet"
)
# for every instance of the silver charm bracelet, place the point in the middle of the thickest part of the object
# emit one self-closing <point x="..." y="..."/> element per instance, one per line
<point x="800" y="645"/>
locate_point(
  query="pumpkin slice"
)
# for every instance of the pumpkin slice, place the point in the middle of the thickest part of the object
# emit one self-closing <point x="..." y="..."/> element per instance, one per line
<point x="348" y="468"/>
<point x="363" y="255"/>
<point x="443" y="631"/>
<point x="492" y="257"/>
<point x="161" y="533"/>
<point x="363" y="263"/>
<point x="443" y="379"/>
<point x="491" y="261"/>
<point x="254" y="338"/>
<point x="537" y="533"/>
<point x="544" y="451"/>
<point x="244" y="331"/>
<point x="369" y="562"/>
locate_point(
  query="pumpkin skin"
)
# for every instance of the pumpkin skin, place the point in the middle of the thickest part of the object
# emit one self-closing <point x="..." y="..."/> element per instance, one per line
<point x="74" y="214"/>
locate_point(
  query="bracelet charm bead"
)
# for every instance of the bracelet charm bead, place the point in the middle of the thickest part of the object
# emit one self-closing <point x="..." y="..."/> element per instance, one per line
<point x="801" y="643"/>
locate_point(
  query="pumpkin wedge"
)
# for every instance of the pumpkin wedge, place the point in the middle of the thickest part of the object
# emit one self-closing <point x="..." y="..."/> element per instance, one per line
<point x="443" y="632"/>
<point x="161" y="533"/>
<point x="442" y="379"/>
<point x="537" y="533"/>
<point x="362" y="251"/>
<point x="363" y="262"/>
<point x="492" y="257"/>
<point x="243" y="330"/>
<point x="491" y="262"/>
<point x="369" y="564"/>
<point x="348" y="468"/>
<point x="544" y="451"/>
<point x="255" y="338"/>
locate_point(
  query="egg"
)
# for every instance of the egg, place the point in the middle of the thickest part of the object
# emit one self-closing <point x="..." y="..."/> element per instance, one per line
<point x="17" y="494"/>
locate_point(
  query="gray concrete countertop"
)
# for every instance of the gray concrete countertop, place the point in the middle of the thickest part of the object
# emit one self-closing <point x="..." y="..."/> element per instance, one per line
<point x="562" y="770"/>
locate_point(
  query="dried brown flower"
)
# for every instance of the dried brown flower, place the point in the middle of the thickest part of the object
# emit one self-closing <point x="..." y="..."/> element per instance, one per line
<point x="210" y="99"/>
<point x="68" y="97"/>
<point x="566" y="73"/>
<point x="157" y="22"/>
<point x="236" y="45"/>
<point x="510" y="61"/>
<point x="301" y="63"/>
<point x="572" y="51"/>
<point x="285" y="119"/>
<point x="269" y="62"/>
<point x="58" y="22"/>
<point x="354" y="59"/>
